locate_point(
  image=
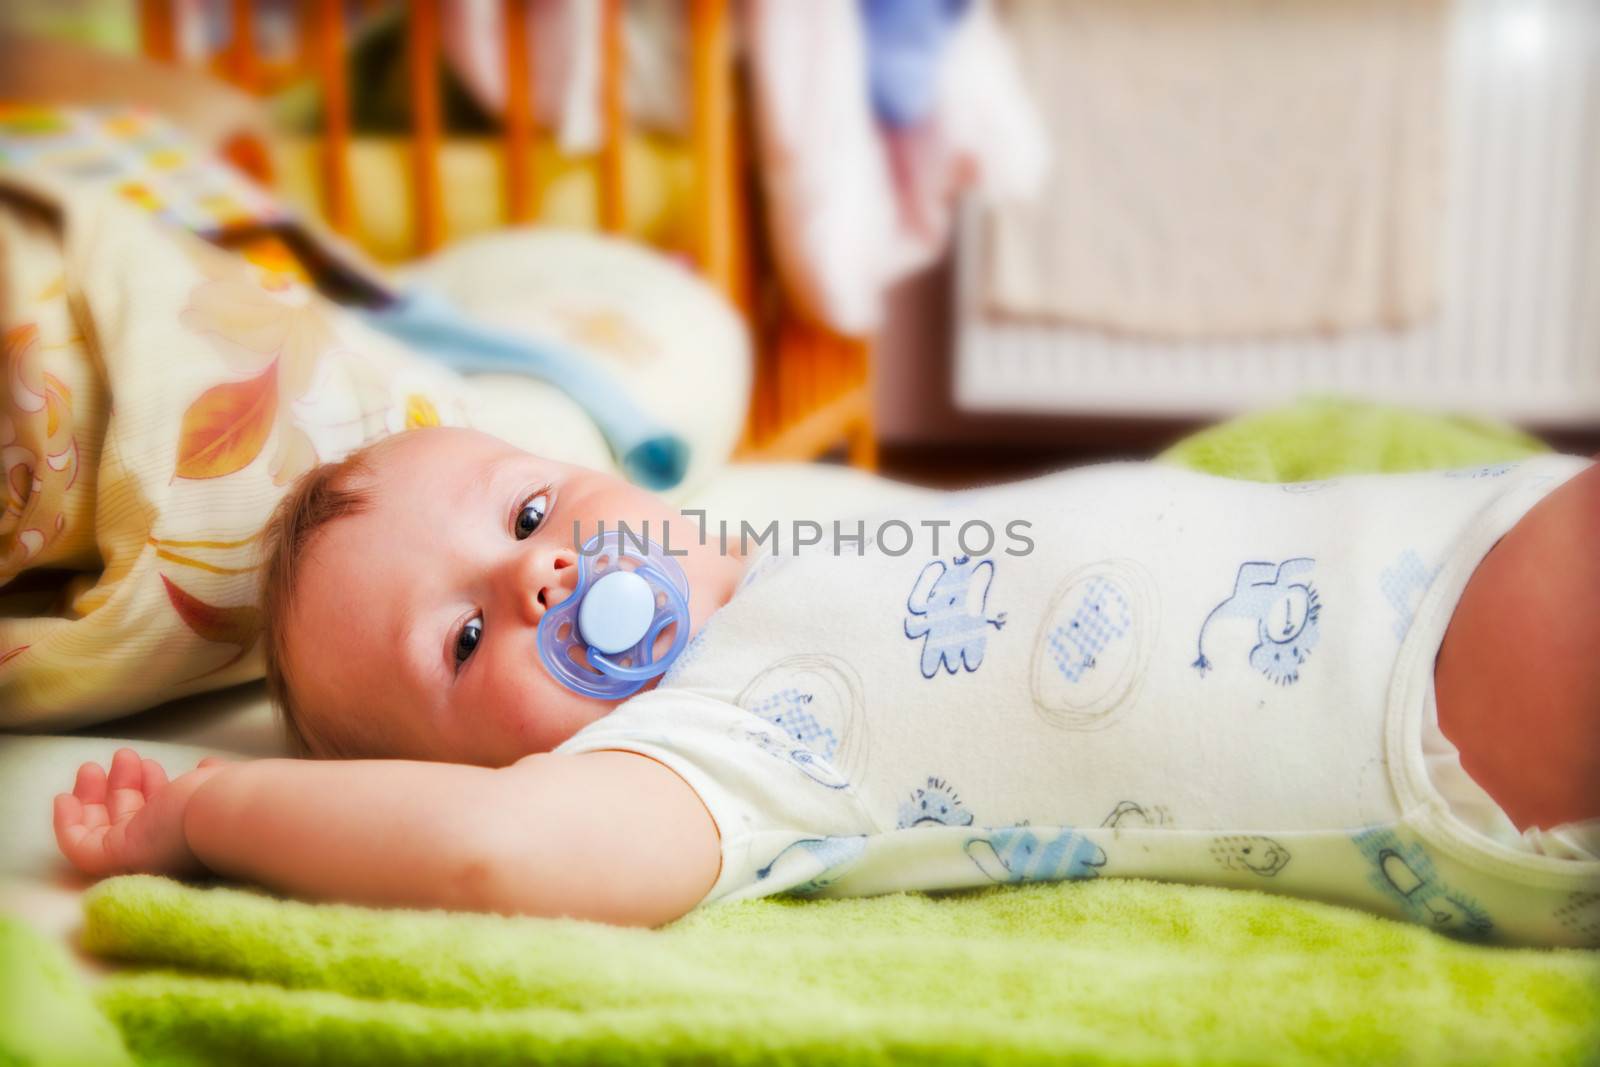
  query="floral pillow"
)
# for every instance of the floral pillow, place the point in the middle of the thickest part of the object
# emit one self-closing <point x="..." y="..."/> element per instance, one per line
<point x="161" y="395"/>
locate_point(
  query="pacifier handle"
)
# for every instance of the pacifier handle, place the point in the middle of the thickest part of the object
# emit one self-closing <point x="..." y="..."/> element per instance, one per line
<point x="651" y="667"/>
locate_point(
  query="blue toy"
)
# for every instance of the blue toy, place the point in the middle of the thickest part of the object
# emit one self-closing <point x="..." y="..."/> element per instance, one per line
<point x="647" y="452"/>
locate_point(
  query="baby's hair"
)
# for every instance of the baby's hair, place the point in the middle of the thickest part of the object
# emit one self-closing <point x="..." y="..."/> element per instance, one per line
<point x="321" y="496"/>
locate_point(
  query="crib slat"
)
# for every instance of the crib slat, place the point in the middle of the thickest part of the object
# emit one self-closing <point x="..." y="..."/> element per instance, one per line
<point x="327" y="59"/>
<point x="613" y="185"/>
<point x="862" y="432"/>
<point x="426" y="192"/>
<point x="812" y="395"/>
<point x="769" y="347"/>
<point x="827" y="371"/>
<point x="522" y="191"/>
<point x="711" y="96"/>
<point x="158" y="30"/>
<point x="241" y="58"/>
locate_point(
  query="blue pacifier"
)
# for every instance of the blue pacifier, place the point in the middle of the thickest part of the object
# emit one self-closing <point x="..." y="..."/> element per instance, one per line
<point x="600" y="641"/>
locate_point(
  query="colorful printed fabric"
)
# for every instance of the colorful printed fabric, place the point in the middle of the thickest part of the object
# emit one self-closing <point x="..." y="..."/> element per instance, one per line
<point x="141" y="156"/>
<point x="165" y="394"/>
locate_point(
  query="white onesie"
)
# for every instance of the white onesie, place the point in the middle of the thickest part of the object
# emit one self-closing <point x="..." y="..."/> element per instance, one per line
<point x="1162" y="674"/>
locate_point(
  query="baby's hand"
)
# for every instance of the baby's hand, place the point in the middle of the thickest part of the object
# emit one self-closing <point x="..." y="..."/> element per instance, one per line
<point x="130" y="821"/>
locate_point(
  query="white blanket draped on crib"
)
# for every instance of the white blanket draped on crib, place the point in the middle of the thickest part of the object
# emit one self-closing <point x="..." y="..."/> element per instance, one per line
<point x="1229" y="168"/>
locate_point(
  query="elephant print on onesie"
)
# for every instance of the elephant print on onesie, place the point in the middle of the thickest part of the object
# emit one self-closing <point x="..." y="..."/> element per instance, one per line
<point x="1403" y="872"/>
<point x="1022" y="854"/>
<point x="1283" y="609"/>
<point x="933" y="804"/>
<point x="948" y="609"/>
<point x="816" y="700"/>
<point x="814" y="863"/>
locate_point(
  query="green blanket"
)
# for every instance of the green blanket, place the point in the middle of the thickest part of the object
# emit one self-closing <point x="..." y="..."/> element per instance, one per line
<point x="1322" y="437"/>
<point x="1101" y="972"/>
<point x="1095" y="972"/>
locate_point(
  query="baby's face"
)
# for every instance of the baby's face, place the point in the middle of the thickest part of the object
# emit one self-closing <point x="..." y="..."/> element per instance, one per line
<point x="416" y="618"/>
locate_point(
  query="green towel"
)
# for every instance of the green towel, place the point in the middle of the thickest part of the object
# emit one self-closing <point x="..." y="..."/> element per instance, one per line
<point x="1325" y="436"/>
<point x="47" y="1017"/>
<point x="1102" y="972"/>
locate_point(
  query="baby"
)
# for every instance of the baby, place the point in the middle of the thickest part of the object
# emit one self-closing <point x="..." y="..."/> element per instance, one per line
<point x="1120" y="670"/>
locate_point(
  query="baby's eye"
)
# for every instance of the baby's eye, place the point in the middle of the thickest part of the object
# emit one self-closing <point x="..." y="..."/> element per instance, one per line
<point x="531" y="515"/>
<point x="467" y="640"/>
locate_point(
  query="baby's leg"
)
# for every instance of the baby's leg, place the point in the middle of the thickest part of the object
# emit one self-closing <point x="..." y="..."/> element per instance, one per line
<point x="1518" y="674"/>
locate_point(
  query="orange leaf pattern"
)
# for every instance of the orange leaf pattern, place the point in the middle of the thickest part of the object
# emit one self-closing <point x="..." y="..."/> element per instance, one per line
<point x="225" y="429"/>
<point x="237" y="626"/>
<point x="248" y="323"/>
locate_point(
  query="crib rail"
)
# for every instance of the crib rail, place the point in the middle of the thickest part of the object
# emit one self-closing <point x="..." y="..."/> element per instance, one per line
<point x="811" y="386"/>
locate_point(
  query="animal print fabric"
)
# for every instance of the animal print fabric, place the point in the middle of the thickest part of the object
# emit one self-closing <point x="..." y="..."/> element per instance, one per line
<point x="1179" y="676"/>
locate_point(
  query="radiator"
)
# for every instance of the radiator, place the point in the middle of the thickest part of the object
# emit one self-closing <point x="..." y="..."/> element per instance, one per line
<point x="1517" y="333"/>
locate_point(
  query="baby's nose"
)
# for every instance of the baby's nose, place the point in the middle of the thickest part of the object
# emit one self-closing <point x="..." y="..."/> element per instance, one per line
<point x="554" y="581"/>
<point x="549" y="578"/>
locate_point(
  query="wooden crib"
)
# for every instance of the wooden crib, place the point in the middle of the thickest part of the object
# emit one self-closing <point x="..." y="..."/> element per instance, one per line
<point x="812" y="387"/>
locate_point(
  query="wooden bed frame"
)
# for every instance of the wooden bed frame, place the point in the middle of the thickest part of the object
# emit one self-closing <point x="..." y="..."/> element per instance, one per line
<point x="812" y="387"/>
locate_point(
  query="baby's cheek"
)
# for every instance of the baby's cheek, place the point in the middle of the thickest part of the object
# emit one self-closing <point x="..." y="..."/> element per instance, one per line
<point x="559" y="714"/>
<point x="535" y="713"/>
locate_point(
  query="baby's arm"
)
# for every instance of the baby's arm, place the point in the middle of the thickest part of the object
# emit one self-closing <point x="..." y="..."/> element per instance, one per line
<point x="611" y="836"/>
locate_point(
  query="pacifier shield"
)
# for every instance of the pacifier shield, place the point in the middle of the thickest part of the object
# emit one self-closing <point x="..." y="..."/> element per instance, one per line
<point x="600" y="640"/>
<point x="617" y="611"/>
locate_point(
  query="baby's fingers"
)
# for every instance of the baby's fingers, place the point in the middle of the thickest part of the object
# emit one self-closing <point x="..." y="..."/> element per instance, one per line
<point x="90" y="792"/>
<point x="69" y="812"/>
<point x="155" y="777"/>
<point x="127" y="771"/>
<point x="90" y="786"/>
<point x="122" y="804"/>
<point x="82" y="844"/>
<point x="124" y="792"/>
